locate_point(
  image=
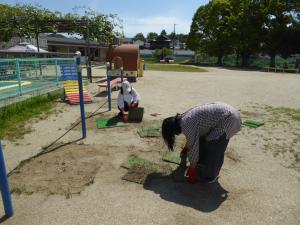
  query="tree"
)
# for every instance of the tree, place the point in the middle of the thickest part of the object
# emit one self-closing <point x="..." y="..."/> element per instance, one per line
<point x="152" y="36"/>
<point x="246" y="21"/>
<point x="139" y="36"/>
<point x="280" y="28"/>
<point x="197" y="32"/>
<point x="7" y="27"/>
<point x="33" y="20"/>
<point x="162" y="53"/>
<point x="182" y="37"/>
<point x="163" y="32"/>
<point x="210" y="31"/>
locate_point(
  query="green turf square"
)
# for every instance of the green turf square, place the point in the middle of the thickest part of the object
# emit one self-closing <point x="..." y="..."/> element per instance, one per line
<point x="173" y="157"/>
<point x="151" y="131"/>
<point x="103" y="123"/>
<point x="253" y="123"/>
<point x="133" y="161"/>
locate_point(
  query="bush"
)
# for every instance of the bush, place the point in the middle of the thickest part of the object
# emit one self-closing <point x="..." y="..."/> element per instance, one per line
<point x="162" y="53"/>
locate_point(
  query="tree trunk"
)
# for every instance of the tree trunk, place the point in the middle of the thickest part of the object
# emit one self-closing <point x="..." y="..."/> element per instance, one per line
<point x="272" y="62"/>
<point x="37" y="41"/>
<point x="220" y="60"/>
<point x="237" y="59"/>
<point x="245" y="58"/>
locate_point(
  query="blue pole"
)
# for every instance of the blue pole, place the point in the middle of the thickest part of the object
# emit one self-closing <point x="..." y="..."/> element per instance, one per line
<point x="108" y="87"/>
<point x="122" y="74"/>
<point x="6" y="198"/>
<point x="56" y="72"/>
<point x="19" y="76"/>
<point x="79" y="77"/>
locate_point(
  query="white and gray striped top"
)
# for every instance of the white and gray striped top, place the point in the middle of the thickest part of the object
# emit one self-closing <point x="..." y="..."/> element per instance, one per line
<point x="211" y="121"/>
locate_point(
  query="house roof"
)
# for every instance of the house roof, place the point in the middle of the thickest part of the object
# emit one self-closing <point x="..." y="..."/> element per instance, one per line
<point x="162" y="38"/>
<point x="73" y="42"/>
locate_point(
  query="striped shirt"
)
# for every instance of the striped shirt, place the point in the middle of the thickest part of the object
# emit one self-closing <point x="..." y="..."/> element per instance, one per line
<point x="211" y="121"/>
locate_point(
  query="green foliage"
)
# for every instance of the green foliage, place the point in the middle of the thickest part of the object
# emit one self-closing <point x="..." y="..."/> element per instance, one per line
<point x="13" y="117"/>
<point x="175" y="68"/>
<point x="293" y="114"/>
<point x="152" y="35"/>
<point x="163" y="32"/>
<point x="245" y="28"/>
<point x="29" y="21"/>
<point x="139" y="36"/>
<point x="162" y="53"/>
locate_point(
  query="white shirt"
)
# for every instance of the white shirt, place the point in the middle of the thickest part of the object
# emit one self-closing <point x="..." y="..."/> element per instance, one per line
<point x="129" y="98"/>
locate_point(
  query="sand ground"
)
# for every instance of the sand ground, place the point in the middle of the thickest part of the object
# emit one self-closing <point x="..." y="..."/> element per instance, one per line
<point x="259" y="182"/>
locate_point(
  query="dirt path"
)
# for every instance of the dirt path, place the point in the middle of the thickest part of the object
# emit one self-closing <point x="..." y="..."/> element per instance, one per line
<point x="256" y="186"/>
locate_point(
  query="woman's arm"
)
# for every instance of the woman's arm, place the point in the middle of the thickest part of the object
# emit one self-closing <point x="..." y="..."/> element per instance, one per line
<point x="136" y="96"/>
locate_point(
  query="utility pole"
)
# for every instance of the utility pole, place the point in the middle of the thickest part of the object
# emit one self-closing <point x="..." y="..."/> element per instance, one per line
<point x="174" y="41"/>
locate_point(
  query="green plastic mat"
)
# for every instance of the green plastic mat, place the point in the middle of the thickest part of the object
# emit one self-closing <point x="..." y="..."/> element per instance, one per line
<point x="253" y="123"/>
<point x="151" y="131"/>
<point x="133" y="161"/>
<point x="173" y="157"/>
<point x="103" y="123"/>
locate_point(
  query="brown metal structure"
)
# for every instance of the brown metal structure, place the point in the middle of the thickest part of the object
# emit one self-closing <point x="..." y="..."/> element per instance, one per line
<point x="130" y="55"/>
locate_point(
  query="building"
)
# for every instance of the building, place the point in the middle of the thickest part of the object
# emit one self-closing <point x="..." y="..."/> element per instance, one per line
<point x="71" y="45"/>
<point x="127" y="40"/>
<point x="140" y="43"/>
<point x="62" y="44"/>
<point x="161" y="41"/>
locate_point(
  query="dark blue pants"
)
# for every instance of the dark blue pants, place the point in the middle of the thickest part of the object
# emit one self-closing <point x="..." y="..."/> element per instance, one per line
<point x="211" y="156"/>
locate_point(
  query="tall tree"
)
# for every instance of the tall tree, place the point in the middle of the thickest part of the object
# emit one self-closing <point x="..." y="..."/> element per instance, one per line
<point x="280" y="28"/>
<point x="152" y="36"/>
<point x="196" y="36"/>
<point x="33" y="20"/>
<point x="210" y="31"/>
<point x="163" y="32"/>
<point x="139" y="36"/>
<point x="7" y="26"/>
<point x="246" y="21"/>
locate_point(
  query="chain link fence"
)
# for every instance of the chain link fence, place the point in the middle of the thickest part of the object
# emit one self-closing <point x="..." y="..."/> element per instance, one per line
<point x="25" y="76"/>
<point x="254" y="61"/>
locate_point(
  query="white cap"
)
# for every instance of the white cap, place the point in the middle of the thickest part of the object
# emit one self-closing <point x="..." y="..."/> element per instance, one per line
<point x="78" y="53"/>
<point x="126" y="87"/>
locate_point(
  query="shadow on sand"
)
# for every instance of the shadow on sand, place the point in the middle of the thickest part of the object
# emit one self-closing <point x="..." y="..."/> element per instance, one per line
<point x="201" y="196"/>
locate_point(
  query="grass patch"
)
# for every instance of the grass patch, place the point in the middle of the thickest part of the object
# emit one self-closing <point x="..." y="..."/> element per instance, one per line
<point x="13" y="117"/>
<point x="173" y="67"/>
<point x="293" y="114"/>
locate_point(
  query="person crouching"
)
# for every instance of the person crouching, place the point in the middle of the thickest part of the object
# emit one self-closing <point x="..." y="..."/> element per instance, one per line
<point x="128" y="98"/>
<point x="207" y="129"/>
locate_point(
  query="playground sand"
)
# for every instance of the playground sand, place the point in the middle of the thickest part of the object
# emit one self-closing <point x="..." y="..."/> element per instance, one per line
<point x="64" y="171"/>
<point x="257" y="185"/>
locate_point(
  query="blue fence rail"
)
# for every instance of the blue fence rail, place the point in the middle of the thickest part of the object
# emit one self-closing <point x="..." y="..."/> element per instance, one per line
<point x="23" y="76"/>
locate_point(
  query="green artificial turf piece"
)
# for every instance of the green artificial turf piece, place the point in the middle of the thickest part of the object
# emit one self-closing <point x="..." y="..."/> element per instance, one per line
<point x="253" y="123"/>
<point x="133" y="161"/>
<point x="103" y="123"/>
<point x="151" y="131"/>
<point x="173" y="157"/>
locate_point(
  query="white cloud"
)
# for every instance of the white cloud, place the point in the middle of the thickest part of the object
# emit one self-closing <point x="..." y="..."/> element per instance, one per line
<point x="156" y="24"/>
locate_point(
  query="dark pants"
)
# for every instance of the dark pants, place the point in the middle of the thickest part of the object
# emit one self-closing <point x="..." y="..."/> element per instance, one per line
<point x="211" y="156"/>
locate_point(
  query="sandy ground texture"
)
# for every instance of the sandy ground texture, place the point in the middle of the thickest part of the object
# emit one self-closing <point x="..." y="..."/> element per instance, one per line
<point x="81" y="183"/>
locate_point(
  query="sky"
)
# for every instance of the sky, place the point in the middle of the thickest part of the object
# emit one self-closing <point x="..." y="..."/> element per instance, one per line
<point x="137" y="16"/>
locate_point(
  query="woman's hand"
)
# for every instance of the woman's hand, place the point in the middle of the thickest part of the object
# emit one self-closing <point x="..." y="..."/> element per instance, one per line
<point x="184" y="150"/>
<point x="133" y="105"/>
